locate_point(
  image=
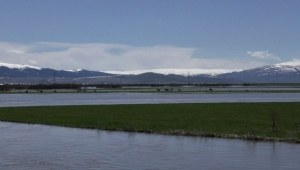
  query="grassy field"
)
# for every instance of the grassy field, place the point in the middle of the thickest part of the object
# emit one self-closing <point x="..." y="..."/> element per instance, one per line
<point x="253" y="121"/>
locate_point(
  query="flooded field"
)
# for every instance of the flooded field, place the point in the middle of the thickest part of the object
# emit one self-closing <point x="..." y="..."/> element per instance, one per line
<point x="168" y="89"/>
<point x="46" y="147"/>
<point x="48" y="99"/>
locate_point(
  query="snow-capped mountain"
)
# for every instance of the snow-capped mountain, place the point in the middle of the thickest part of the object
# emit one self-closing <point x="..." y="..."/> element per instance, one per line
<point x="182" y="72"/>
<point x="14" y="73"/>
<point x="288" y="72"/>
<point x="18" y="66"/>
<point x="280" y="68"/>
<point x="26" y="71"/>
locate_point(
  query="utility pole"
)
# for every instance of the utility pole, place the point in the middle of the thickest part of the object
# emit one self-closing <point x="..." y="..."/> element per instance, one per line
<point x="189" y="77"/>
<point x="54" y="77"/>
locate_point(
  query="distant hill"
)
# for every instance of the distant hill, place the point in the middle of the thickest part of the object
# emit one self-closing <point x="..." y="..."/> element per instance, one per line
<point x="154" y="78"/>
<point x="278" y="73"/>
<point x="10" y="70"/>
<point x="10" y="73"/>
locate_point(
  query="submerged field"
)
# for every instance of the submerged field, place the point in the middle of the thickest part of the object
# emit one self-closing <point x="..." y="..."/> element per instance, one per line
<point x="253" y="121"/>
<point x="166" y="89"/>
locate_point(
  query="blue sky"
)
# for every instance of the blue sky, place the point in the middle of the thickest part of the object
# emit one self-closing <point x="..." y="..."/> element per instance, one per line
<point x="149" y="34"/>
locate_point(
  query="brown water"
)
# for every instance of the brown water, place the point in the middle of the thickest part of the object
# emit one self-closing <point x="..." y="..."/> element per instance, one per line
<point x="140" y="98"/>
<point x="40" y="147"/>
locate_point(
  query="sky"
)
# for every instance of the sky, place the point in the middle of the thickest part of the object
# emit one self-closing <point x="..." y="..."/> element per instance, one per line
<point x="124" y="35"/>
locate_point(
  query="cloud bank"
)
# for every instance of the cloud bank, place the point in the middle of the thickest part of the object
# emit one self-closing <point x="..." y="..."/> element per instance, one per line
<point x="114" y="57"/>
<point x="263" y="55"/>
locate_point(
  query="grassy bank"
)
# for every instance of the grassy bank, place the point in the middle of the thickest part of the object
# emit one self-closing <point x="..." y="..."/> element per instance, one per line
<point x="253" y="121"/>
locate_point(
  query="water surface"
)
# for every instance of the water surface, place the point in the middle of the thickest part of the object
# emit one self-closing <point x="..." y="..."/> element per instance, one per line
<point x="140" y="98"/>
<point x="39" y="147"/>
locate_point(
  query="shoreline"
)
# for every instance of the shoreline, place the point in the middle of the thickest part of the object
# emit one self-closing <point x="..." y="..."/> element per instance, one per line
<point x="245" y="137"/>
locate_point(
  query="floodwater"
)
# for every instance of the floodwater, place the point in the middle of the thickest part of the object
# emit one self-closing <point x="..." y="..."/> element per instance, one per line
<point x="39" y="147"/>
<point x="49" y="99"/>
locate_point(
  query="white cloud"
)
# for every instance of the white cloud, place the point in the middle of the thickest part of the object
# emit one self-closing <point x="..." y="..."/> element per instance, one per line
<point x="263" y="55"/>
<point x="12" y="51"/>
<point x="113" y="57"/>
<point x="32" y="62"/>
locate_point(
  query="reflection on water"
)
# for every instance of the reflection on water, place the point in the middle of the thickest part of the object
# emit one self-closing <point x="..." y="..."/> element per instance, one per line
<point x="140" y="98"/>
<point x="46" y="147"/>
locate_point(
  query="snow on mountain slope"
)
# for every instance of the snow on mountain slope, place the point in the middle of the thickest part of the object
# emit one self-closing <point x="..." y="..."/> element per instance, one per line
<point x="18" y="66"/>
<point x="286" y="67"/>
<point x="184" y="72"/>
<point x="280" y="68"/>
<point x="75" y="70"/>
<point x="287" y="72"/>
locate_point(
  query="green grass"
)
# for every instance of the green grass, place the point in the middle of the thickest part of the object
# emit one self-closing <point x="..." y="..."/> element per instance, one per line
<point x="230" y="120"/>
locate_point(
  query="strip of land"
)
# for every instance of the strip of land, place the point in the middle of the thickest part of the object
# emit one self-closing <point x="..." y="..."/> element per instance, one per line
<point x="250" y="121"/>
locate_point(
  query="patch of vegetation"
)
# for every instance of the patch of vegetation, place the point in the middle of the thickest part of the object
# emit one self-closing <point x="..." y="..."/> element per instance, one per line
<point x="251" y="121"/>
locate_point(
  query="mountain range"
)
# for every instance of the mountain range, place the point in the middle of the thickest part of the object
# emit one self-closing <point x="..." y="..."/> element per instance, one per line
<point x="288" y="72"/>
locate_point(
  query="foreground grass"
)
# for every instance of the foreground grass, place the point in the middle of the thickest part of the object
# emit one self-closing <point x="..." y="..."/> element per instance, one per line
<point x="253" y="121"/>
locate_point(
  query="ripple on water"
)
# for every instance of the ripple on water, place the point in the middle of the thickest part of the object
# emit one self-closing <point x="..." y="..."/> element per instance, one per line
<point x="47" y="147"/>
<point x="140" y="98"/>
